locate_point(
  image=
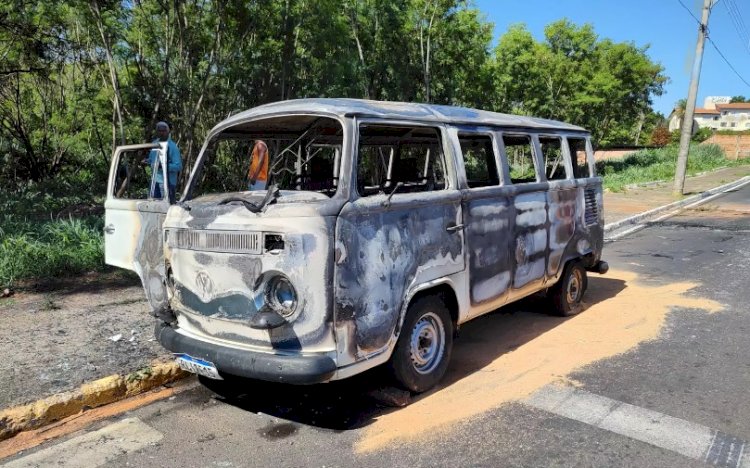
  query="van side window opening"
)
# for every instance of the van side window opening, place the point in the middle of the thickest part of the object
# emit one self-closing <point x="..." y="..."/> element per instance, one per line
<point x="520" y="158"/>
<point x="133" y="178"/>
<point x="554" y="161"/>
<point x="577" y="147"/>
<point x="479" y="160"/>
<point x="388" y="155"/>
<point x="304" y="154"/>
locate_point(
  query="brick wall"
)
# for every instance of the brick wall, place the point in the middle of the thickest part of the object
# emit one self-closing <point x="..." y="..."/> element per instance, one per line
<point x="735" y="146"/>
<point x="612" y="154"/>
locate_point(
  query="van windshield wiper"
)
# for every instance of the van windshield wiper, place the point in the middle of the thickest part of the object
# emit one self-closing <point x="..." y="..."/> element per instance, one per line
<point x="246" y="203"/>
<point x="271" y="195"/>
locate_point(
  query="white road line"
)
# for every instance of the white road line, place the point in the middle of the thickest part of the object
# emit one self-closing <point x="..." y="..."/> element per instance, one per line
<point x="94" y="448"/>
<point x="677" y="435"/>
<point x="646" y="222"/>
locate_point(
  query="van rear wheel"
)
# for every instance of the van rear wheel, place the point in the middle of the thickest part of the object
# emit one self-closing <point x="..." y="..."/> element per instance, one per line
<point x="566" y="295"/>
<point x="424" y="346"/>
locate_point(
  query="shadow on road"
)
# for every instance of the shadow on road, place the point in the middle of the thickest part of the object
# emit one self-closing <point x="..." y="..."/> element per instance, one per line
<point x="351" y="404"/>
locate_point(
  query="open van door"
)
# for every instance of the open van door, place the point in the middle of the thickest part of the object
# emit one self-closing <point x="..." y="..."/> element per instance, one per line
<point x="133" y="217"/>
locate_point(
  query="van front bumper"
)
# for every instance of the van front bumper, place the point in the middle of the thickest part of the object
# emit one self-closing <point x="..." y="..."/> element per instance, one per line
<point x="294" y="369"/>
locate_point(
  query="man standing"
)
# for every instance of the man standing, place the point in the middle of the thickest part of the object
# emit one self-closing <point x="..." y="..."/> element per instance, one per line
<point x="257" y="175"/>
<point x="174" y="164"/>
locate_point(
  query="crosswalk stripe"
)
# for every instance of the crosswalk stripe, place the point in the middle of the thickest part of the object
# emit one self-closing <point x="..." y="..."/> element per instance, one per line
<point x="677" y="435"/>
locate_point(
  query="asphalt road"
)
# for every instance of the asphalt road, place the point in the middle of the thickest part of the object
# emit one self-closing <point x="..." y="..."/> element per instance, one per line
<point x="655" y="372"/>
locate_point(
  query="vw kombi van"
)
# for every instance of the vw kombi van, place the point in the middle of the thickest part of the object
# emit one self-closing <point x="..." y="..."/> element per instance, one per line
<point x="383" y="228"/>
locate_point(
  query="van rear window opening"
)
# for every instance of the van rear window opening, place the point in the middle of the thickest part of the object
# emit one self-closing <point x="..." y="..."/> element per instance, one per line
<point x="402" y="159"/>
<point x="304" y="153"/>
<point x="520" y="158"/>
<point x="554" y="162"/>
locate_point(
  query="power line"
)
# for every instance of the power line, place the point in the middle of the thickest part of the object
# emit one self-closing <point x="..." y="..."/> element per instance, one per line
<point x="690" y="12"/>
<point x="728" y="63"/>
<point x="713" y="43"/>
<point x="739" y="23"/>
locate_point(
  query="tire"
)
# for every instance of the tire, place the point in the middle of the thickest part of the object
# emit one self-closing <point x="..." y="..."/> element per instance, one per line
<point x="567" y="294"/>
<point x="423" y="350"/>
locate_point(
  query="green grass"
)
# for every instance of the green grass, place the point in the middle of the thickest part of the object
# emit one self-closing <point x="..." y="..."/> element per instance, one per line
<point x="47" y="249"/>
<point x="659" y="164"/>
<point x="51" y="229"/>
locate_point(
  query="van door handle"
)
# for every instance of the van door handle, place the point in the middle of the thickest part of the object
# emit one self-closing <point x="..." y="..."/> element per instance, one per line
<point x="109" y="229"/>
<point x="454" y="227"/>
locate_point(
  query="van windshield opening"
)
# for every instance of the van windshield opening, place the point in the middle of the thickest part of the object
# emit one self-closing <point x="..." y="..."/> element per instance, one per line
<point x="290" y="153"/>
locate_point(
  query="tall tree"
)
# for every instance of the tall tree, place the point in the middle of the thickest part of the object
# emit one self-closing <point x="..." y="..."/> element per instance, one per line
<point x="574" y="76"/>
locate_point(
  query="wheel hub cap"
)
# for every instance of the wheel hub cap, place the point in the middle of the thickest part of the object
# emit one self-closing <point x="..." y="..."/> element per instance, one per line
<point x="427" y="343"/>
<point x="574" y="288"/>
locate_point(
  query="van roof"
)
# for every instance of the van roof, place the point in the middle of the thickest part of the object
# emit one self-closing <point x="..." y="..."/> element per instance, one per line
<point x="397" y="111"/>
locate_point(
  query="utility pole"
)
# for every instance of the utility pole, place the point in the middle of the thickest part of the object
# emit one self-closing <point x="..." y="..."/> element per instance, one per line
<point x="687" y="119"/>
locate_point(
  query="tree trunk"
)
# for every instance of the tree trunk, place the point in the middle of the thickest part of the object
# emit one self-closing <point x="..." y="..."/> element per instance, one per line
<point x="111" y="65"/>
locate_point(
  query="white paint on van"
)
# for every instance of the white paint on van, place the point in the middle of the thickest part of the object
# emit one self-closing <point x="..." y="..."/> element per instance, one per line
<point x="491" y="287"/>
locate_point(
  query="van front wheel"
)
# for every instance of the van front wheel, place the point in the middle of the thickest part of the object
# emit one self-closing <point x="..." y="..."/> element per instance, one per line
<point x="566" y="296"/>
<point x="424" y="346"/>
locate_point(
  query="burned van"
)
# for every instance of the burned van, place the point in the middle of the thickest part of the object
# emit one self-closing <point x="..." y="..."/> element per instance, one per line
<point x="378" y="230"/>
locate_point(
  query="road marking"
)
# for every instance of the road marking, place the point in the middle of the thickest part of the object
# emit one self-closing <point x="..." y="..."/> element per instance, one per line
<point x="677" y="435"/>
<point x="647" y="222"/>
<point x="94" y="448"/>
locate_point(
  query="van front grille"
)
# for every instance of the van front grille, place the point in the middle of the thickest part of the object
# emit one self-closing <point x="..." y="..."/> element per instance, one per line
<point x="214" y="241"/>
<point x="592" y="209"/>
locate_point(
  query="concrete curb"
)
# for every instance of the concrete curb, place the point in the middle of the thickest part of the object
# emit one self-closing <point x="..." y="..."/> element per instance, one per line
<point x="674" y="205"/>
<point x="89" y="395"/>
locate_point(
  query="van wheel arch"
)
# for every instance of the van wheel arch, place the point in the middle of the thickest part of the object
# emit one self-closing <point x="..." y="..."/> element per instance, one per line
<point x="443" y="292"/>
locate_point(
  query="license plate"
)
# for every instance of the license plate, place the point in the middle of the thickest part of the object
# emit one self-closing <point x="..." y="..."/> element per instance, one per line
<point x="197" y="366"/>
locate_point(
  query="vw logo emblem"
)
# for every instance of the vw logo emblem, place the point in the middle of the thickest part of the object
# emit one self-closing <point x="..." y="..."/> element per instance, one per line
<point x="205" y="286"/>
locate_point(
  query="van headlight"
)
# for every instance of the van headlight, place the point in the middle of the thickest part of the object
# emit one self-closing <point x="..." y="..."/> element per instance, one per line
<point x="281" y="295"/>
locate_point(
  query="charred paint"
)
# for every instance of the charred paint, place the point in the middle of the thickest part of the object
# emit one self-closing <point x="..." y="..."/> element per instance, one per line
<point x="516" y="241"/>
<point x="488" y="221"/>
<point x="240" y="278"/>
<point x="396" y="248"/>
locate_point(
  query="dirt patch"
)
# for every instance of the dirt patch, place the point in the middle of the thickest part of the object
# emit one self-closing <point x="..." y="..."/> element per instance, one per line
<point x="55" y="340"/>
<point x="506" y="358"/>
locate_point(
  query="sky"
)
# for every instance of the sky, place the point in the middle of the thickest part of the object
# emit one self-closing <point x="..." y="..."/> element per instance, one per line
<point x="664" y="25"/>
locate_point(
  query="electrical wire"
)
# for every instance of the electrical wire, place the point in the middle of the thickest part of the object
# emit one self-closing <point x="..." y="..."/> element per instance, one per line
<point x="690" y="12"/>
<point x="721" y="54"/>
<point x="728" y="62"/>
<point x="739" y="23"/>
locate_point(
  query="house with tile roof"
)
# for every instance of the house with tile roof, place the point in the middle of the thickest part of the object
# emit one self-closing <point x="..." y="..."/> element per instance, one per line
<point x="716" y="115"/>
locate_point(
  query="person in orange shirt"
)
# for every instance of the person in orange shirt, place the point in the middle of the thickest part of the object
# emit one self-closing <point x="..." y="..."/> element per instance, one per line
<point x="257" y="175"/>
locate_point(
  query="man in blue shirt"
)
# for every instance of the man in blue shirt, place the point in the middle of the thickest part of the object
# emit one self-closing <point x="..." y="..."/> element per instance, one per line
<point x="174" y="163"/>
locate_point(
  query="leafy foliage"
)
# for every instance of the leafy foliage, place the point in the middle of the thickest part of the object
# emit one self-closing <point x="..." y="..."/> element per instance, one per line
<point x="660" y="136"/>
<point x="574" y="76"/>
<point x="80" y="76"/>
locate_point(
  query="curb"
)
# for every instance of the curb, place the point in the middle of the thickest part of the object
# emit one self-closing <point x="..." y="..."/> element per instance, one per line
<point x="89" y="395"/>
<point x="674" y="205"/>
